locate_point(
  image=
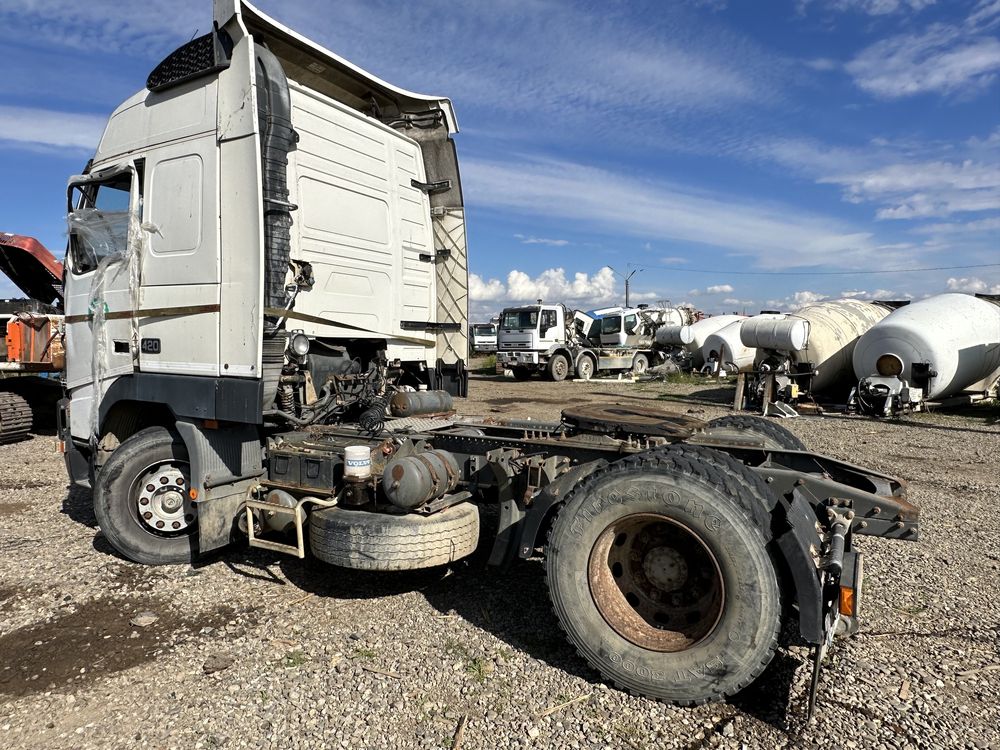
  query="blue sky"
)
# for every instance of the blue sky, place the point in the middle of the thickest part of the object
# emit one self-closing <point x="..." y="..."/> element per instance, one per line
<point x="740" y="153"/>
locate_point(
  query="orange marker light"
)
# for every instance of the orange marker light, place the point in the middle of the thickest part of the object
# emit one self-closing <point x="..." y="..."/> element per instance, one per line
<point x="847" y="602"/>
<point x="193" y="493"/>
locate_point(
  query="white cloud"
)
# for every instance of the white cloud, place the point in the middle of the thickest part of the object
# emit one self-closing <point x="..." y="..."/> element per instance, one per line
<point x="943" y="59"/>
<point x="862" y="294"/>
<point x="775" y="235"/>
<point x="586" y="67"/>
<point x="822" y="64"/>
<point x="673" y="260"/>
<point x="525" y="240"/>
<point x="719" y="289"/>
<point x="149" y="29"/>
<point x="980" y="225"/>
<point x="485" y="291"/>
<point x="65" y="130"/>
<point x="972" y="285"/>
<point x="806" y="297"/>
<point x="870" y="7"/>
<point x="552" y="286"/>
<point x="924" y="189"/>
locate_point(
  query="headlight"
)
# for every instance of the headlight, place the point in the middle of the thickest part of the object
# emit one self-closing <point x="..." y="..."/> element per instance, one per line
<point x="889" y="366"/>
<point x="298" y="344"/>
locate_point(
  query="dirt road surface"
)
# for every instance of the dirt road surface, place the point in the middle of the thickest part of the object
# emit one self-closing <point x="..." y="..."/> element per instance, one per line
<point x="249" y="649"/>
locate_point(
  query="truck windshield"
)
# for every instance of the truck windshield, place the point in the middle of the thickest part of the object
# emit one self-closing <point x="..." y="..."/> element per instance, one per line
<point x="514" y="319"/>
<point x="484" y="330"/>
<point x="611" y="324"/>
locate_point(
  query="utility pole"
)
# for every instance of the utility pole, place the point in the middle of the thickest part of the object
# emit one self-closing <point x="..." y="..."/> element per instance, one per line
<point x="628" y="277"/>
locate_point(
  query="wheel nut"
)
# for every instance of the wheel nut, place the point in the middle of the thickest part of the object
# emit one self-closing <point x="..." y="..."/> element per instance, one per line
<point x="150" y="488"/>
<point x="143" y="501"/>
<point x="159" y="524"/>
<point x="147" y="515"/>
<point x="163" y="480"/>
<point x="176" y="524"/>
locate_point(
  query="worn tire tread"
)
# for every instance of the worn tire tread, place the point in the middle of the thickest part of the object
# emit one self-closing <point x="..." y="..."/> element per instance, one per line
<point x="710" y="467"/>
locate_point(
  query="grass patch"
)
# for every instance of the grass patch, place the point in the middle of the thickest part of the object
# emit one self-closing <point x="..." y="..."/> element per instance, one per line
<point x="364" y="653"/>
<point x="294" y="659"/>
<point x="488" y="365"/>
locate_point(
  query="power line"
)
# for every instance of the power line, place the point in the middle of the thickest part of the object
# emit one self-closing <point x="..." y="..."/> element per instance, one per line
<point x="827" y="273"/>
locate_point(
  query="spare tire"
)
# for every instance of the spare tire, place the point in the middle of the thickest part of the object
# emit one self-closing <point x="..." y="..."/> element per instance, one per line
<point x="773" y="434"/>
<point x="362" y="540"/>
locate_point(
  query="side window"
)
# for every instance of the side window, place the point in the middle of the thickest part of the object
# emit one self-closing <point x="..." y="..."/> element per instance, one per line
<point x="630" y="321"/>
<point x="99" y="223"/>
<point x="548" y="319"/>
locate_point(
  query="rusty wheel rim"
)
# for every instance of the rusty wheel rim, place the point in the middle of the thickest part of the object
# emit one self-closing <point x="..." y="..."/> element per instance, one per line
<point x="656" y="582"/>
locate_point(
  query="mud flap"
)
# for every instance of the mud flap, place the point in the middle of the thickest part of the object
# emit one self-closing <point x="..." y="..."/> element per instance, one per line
<point x="225" y="462"/>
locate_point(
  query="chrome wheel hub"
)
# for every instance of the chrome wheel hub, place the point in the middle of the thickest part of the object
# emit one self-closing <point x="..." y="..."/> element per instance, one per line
<point x="162" y="501"/>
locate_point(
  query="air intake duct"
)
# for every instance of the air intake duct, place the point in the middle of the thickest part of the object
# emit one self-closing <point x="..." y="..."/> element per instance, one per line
<point x="277" y="138"/>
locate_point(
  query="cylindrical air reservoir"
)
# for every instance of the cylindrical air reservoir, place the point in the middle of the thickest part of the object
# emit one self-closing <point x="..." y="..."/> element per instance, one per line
<point x="692" y="337"/>
<point x="823" y="335"/>
<point x="414" y="403"/>
<point x="957" y="335"/>
<point x="725" y="346"/>
<point x="413" y="480"/>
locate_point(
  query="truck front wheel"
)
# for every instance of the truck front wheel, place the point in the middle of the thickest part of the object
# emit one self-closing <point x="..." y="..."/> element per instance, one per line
<point x="141" y="499"/>
<point x="679" y="600"/>
<point x="558" y="367"/>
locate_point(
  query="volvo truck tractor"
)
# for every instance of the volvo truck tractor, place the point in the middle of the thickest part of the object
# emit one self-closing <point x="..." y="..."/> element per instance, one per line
<point x="560" y="343"/>
<point x="266" y="262"/>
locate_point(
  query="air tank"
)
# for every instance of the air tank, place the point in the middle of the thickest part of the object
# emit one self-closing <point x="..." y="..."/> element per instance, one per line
<point x="692" y="337"/>
<point x="822" y="335"/>
<point x="957" y="335"/>
<point x="725" y="346"/>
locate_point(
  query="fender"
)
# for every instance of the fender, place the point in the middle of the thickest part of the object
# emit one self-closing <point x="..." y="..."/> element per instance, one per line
<point x="225" y="462"/>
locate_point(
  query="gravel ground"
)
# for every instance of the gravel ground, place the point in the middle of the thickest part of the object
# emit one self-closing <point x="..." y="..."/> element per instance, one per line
<point x="250" y="649"/>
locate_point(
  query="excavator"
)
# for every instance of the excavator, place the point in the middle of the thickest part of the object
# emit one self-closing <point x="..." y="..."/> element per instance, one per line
<point x="31" y="337"/>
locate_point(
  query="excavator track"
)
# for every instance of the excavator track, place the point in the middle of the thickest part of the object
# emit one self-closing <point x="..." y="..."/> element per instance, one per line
<point x="15" y="417"/>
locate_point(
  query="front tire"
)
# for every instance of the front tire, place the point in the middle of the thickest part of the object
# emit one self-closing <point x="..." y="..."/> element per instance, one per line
<point x="558" y="367"/>
<point x="141" y="499"/>
<point x="662" y="580"/>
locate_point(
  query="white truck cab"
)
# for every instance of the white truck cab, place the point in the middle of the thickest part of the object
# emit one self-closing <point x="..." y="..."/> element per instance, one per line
<point x="483" y="337"/>
<point x="266" y="234"/>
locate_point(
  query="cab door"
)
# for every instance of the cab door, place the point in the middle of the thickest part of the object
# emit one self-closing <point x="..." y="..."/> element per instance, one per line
<point x="100" y="294"/>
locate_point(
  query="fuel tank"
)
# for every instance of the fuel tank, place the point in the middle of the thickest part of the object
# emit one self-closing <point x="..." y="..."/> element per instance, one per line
<point x="954" y="338"/>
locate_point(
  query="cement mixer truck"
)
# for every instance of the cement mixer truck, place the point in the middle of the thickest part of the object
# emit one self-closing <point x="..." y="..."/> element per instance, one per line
<point x="806" y="352"/>
<point x="258" y="388"/>
<point x="944" y="348"/>
<point x="559" y="343"/>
